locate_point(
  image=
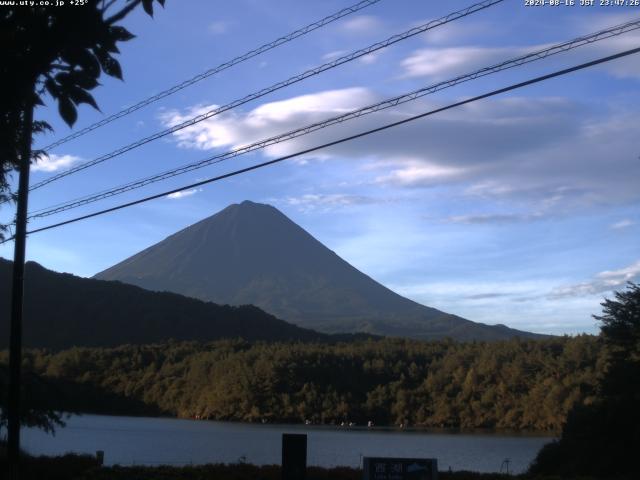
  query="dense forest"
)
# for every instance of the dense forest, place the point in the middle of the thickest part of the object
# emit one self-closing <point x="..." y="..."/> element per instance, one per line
<point x="511" y="384"/>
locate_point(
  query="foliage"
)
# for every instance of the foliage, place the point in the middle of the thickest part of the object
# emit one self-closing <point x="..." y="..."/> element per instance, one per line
<point x="603" y="439"/>
<point x="37" y="409"/>
<point x="63" y="310"/>
<point x="507" y="385"/>
<point x="65" y="467"/>
<point x="83" y="467"/>
<point x="620" y="330"/>
<point x="56" y="51"/>
<point x="60" y="52"/>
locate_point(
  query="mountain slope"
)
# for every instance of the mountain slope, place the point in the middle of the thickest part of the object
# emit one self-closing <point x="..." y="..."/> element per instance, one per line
<point x="253" y="254"/>
<point x="62" y="310"/>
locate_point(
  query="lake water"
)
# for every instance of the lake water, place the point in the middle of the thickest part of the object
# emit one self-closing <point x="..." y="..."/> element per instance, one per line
<point x="155" y="441"/>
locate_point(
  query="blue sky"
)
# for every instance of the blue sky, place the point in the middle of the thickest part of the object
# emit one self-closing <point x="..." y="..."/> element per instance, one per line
<point x="522" y="209"/>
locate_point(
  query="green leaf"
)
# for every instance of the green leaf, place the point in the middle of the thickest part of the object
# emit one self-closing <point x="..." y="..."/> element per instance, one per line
<point x="52" y="87"/>
<point x="148" y="6"/>
<point x="109" y="64"/>
<point x="83" y="58"/>
<point x="121" y="34"/>
<point x="63" y="78"/>
<point x="112" y="67"/>
<point x="67" y="111"/>
<point x="37" y="100"/>
<point x="40" y="126"/>
<point x="84" y="80"/>
<point x="79" y="95"/>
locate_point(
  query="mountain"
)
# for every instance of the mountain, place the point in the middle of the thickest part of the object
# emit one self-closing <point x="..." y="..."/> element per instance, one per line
<point x="62" y="310"/>
<point x="251" y="253"/>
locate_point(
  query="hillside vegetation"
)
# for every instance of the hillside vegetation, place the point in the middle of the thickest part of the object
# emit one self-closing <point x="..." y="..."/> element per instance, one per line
<point x="508" y="385"/>
<point x="63" y="310"/>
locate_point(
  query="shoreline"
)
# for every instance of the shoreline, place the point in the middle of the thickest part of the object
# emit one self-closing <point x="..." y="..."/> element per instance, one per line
<point x="335" y="427"/>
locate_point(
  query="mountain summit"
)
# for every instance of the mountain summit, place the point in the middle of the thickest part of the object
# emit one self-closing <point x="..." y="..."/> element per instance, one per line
<point x="251" y="253"/>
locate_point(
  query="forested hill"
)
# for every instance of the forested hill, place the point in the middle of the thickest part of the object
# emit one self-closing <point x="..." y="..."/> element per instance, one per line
<point x="62" y="310"/>
<point x="507" y="384"/>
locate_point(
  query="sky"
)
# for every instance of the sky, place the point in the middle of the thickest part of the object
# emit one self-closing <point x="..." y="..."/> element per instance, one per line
<point x="521" y="209"/>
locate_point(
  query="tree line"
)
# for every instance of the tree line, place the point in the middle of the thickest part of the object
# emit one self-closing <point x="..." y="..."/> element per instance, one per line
<point x="515" y="384"/>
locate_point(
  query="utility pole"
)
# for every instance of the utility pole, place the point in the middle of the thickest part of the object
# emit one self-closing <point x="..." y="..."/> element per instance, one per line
<point x="17" y="293"/>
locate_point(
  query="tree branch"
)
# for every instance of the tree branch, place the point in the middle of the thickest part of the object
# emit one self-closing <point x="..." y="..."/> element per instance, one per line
<point x="107" y="6"/>
<point x="123" y="13"/>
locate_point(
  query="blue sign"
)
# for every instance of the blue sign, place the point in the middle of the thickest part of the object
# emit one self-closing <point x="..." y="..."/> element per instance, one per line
<point x="380" y="468"/>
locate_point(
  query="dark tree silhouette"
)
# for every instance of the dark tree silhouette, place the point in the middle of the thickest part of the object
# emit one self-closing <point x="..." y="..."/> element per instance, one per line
<point x="62" y="52"/>
<point x="59" y="51"/>
<point x="621" y="331"/>
<point x="40" y="411"/>
<point x="603" y="439"/>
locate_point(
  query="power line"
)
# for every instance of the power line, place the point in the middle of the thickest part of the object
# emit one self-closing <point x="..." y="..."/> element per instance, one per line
<point x="532" y="81"/>
<point x="392" y="102"/>
<point x="212" y="71"/>
<point x="277" y="86"/>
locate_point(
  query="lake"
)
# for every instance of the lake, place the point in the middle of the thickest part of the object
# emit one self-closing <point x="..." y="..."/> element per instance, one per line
<point x="156" y="441"/>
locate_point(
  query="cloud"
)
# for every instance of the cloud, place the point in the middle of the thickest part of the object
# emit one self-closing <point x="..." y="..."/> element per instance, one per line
<point x="487" y="301"/>
<point x="183" y="193"/>
<point x="549" y="153"/>
<point x="494" y="218"/>
<point x="472" y="290"/>
<point x="326" y="202"/>
<point x="218" y="27"/>
<point x="53" y="163"/>
<point x="603" y="282"/>
<point x="329" y="56"/>
<point x="445" y="62"/>
<point x="233" y="129"/>
<point x="362" y="24"/>
<point x="440" y="62"/>
<point x="627" y="67"/>
<point x="626" y="223"/>
<point x="485" y="296"/>
<point x="369" y="59"/>
<point x="416" y="172"/>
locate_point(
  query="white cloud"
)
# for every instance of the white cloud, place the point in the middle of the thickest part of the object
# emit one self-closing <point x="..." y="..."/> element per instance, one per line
<point x="183" y="193"/>
<point x="233" y="129"/>
<point x="471" y="290"/>
<point x="445" y="62"/>
<point x="326" y="202"/>
<point x="361" y="24"/>
<point x="439" y="62"/>
<point x="626" y="223"/>
<point x="53" y="163"/>
<point x="369" y="59"/>
<point x="551" y="153"/>
<point x="603" y="282"/>
<point x="492" y="218"/>
<point x="487" y="301"/>
<point x="418" y="173"/>
<point x="218" y="27"/>
<point x="329" y="56"/>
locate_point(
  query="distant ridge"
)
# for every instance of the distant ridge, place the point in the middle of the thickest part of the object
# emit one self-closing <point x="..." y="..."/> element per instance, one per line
<point x="251" y="253"/>
<point x="62" y="311"/>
